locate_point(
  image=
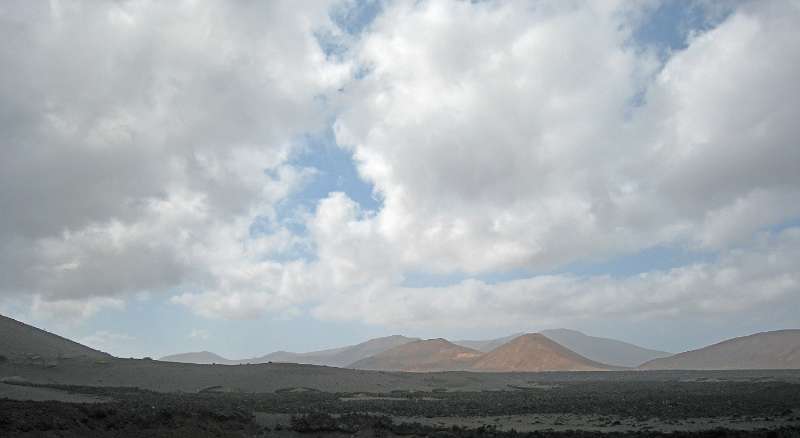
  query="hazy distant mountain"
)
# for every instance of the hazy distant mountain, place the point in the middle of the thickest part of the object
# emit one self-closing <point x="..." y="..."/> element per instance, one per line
<point x="338" y="357"/>
<point x="321" y="357"/>
<point x="201" y="357"/>
<point x="371" y="348"/>
<point x="428" y="355"/>
<point x="604" y="350"/>
<point x="535" y="352"/>
<point x="20" y="340"/>
<point x="767" y="350"/>
<point x="335" y="357"/>
<point x="487" y="345"/>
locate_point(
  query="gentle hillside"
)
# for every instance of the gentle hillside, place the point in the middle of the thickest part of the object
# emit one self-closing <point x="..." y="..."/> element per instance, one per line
<point x="339" y="357"/>
<point x="321" y="357"/>
<point x="335" y="357"/>
<point x="428" y="355"/>
<point x="369" y="348"/>
<point x="535" y="352"/>
<point x="769" y="350"/>
<point x="19" y="340"/>
<point x="604" y="350"/>
<point x="488" y="344"/>
<point x="199" y="357"/>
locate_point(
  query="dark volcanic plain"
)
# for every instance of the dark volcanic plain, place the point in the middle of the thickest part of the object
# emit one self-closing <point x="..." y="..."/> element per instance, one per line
<point x="84" y="397"/>
<point x="53" y="387"/>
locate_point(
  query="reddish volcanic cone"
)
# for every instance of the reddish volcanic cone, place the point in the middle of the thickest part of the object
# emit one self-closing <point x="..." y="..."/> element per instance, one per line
<point x="428" y="355"/>
<point x="535" y="352"/>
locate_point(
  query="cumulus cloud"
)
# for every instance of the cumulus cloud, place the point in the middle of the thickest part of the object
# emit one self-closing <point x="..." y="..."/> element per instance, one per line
<point x="489" y="129"/>
<point x="199" y="334"/>
<point x="503" y="136"/>
<point x="753" y="279"/>
<point x="66" y="310"/>
<point x="756" y="276"/>
<point x="507" y="136"/>
<point x="142" y="139"/>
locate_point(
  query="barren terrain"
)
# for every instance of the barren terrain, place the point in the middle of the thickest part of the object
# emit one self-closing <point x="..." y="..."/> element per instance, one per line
<point x="123" y="397"/>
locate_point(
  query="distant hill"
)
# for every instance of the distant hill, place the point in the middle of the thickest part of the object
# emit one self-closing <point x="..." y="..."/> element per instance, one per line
<point x="604" y="350"/>
<point x="20" y="340"/>
<point x="339" y="357"/>
<point x="321" y="357"/>
<point x="369" y="348"/>
<point x="335" y="357"/>
<point x="768" y="350"/>
<point x="535" y="352"/>
<point x="488" y="344"/>
<point x="428" y="355"/>
<point x="201" y="357"/>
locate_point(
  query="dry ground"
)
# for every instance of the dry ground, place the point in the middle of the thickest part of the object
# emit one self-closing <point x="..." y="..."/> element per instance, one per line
<point x="120" y="398"/>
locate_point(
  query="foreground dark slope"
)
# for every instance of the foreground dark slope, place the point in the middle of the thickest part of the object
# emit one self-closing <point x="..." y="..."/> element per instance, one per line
<point x="20" y="340"/>
<point x="768" y="350"/>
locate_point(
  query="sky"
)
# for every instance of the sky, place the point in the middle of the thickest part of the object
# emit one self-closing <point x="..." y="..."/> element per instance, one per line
<point x="245" y="177"/>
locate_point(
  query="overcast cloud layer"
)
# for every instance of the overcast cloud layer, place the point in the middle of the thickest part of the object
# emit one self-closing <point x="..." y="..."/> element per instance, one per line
<point x="141" y="142"/>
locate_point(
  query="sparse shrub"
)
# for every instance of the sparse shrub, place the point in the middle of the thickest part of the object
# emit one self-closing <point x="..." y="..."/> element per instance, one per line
<point x="315" y="422"/>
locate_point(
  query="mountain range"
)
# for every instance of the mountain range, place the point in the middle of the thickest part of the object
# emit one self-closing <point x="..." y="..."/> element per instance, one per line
<point x="533" y="352"/>
<point x="603" y="350"/>
<point x="525" y="352"/>
<point x="335" y="357"/>
<point x="549" y="350"/>
<point x="428" y="355"/>
<point x="610" y="352"/>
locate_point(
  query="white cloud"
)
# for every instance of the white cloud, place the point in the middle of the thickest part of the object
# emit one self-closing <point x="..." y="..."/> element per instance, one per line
<point x="502" y="135"/>
<point x="68" y="310"/>
<point x="199" y="334"/>
<point x="141" y="140"/>
<point x="752" y="279"/>
<point x="488" y="145"/>
<point x="718" y="123"/>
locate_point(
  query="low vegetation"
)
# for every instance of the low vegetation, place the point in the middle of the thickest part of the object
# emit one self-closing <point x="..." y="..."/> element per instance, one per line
<point x="135" y="412"/>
